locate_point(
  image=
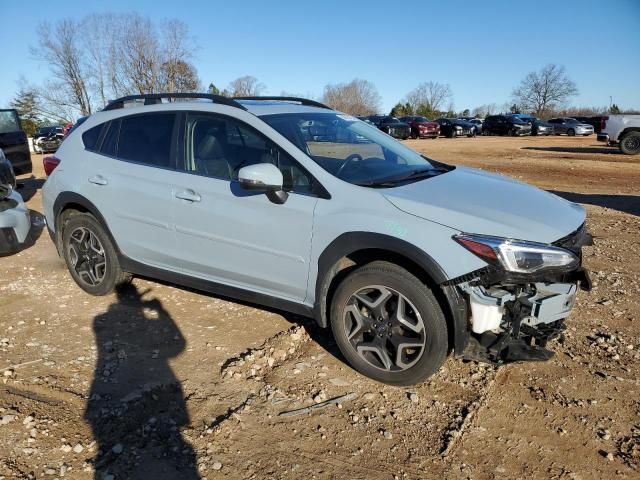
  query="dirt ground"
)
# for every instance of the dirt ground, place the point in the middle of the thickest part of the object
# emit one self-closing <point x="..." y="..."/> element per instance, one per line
<point x="162" y="382"/>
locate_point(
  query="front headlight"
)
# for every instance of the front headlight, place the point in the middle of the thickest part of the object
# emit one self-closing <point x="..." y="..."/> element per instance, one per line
<point x="518" y="256"/>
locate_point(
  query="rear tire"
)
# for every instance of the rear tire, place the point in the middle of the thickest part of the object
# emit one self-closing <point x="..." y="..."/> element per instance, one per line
<point x="388" y="324"/>
<point x="630" y="143"/>
<point x="90" y="255"/>
<point x="571" y="132"/>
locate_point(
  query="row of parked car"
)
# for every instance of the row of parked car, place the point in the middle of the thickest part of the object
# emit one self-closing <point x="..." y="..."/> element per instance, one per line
<point x="416" y="126"/>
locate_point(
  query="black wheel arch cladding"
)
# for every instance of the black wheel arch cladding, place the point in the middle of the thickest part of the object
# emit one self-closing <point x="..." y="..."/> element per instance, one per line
<point x="72" y="199"/>
<point x="351" y="242"/>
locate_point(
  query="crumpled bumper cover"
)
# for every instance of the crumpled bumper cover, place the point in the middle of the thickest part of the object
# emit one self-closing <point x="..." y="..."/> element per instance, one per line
<point x="533" y="307"/>
<point x="15" y="223"/>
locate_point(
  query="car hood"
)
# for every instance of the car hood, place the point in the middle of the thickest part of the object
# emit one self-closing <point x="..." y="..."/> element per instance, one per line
<point x="474" y="201"/>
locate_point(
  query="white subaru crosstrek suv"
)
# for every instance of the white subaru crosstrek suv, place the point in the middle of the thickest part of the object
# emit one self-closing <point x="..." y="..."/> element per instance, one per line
<point x="287" y="203"/>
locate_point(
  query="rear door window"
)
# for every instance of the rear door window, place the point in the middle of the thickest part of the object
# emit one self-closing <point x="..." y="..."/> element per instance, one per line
<point x="110" y="142"/>
<point x="90" y="137"/>
<point x="147" y="139"/>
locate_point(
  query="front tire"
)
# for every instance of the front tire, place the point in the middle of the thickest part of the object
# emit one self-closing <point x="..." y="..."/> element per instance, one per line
<point x="571" y="132"/>
<point x="90" y="255"/>
<point x="388" y="324"/>
<point x="630" y="143"/>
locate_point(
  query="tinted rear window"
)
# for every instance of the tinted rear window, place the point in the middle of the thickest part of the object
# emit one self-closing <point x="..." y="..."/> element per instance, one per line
<point x="9" y="122"/>
<point x="147" y="139"/>
<point x="90" y="137"/>
<point x="110" y="142"/>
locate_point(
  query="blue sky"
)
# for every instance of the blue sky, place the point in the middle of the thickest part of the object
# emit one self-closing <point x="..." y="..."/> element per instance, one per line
<point x="482" y="49"/>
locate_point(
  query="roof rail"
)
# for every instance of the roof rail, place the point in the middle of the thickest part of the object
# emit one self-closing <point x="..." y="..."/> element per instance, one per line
<point x="154" y="98"/>
<point x="301" y="101"/>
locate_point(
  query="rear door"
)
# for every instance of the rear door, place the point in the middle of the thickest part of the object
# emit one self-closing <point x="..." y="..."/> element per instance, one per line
<point x="128" y="177"/>
<point x="232" y="236"/>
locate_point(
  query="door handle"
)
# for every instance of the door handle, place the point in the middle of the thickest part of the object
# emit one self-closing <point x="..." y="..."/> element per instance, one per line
<point x="98" y="180"/>
<point x="188" y="195"/>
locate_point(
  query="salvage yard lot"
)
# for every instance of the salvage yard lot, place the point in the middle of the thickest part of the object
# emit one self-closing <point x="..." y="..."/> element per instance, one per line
<point x="111" y="384"/>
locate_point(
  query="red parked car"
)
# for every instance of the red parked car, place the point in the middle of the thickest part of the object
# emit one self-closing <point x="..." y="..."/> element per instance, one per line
<point x="422" y="127"/>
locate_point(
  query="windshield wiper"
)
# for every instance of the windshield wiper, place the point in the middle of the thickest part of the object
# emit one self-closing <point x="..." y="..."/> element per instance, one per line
<point x="395" y="179"/>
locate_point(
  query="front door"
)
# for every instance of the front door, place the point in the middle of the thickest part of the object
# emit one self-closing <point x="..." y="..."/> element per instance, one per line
<point x="232" y="236"/>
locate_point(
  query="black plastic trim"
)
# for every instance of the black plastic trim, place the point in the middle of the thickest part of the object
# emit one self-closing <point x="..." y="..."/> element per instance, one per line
<point x="67" y="198"/>
<point x="351" y="242"/>
<point x="227" y="291"/>
<point x="301" y="101"/>
<point x="155" y="98"/>
<point x="137" y="268"/>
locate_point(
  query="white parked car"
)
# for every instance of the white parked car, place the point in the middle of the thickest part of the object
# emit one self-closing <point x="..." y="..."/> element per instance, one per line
<point x="622" y="130"/>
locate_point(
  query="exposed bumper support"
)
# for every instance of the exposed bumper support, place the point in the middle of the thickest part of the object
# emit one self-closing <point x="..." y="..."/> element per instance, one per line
<point x="511" y="323"/>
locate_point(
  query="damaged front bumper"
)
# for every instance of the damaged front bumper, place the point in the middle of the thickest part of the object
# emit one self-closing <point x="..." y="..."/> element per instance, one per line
<point x="512" y="317"/>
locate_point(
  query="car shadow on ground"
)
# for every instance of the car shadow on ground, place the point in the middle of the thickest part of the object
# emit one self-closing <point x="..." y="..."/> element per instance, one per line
<point x="28" y="187"/>
<point x="623" y="203"/>
<point x="590" y="150"/>
<point x="136" y="406"/>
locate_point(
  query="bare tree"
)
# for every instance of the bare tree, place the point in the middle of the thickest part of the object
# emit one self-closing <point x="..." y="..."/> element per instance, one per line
<point x="104" y="56"/>
<point x="246" y="86"/>
<point x="178" y="74"/>
<point x="140" y="56"/>
<point x="545" y="90"/>
<point x="98" y="44"/>
<point x="430" y="95"/>
<point x="358" y="97"/>
<point x="59" y="47"/>
<point x="482" y="111"/>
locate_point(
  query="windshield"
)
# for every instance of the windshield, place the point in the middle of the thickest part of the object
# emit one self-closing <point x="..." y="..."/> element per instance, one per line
<point x="422" y="119"/>
<point x="353" y="150"/>
<point x="517" y="120"/>
<point x="9" y="121"/>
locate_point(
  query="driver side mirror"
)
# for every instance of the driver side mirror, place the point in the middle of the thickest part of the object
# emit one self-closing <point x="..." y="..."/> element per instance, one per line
<point x="263" y="177"/>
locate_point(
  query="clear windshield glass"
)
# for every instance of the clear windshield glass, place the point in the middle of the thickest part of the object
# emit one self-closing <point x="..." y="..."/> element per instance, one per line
<point x="353" y="150"/>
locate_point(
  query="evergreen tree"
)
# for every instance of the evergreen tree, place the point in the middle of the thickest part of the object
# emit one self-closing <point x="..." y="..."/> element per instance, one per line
<point x="25" y="103"/>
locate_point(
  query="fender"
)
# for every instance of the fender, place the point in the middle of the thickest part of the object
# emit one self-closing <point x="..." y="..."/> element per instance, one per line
<point x="65" y="198"/>
<point x="351" y="242"/>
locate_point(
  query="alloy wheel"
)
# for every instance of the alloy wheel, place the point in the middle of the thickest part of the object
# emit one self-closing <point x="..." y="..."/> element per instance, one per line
<point x="632" y="143"/>
<point x="86" y="256"/>
<point x="384" y="328"/>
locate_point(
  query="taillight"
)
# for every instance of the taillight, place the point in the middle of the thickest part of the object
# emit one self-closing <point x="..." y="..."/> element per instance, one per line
<point x="50" y="163"/>
<point x="603" y="122"/>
